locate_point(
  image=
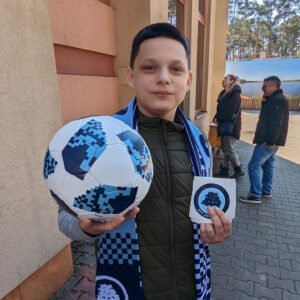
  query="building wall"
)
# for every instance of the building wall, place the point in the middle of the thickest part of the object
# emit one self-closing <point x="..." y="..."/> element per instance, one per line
<point x="84" y="37"/>
<point x="214" y="57"/>
<point x="217" y="62"/>
<point x="29" y="116"/>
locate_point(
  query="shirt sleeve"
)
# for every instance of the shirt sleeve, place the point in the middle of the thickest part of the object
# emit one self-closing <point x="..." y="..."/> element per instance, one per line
<point x="69" y="225"/>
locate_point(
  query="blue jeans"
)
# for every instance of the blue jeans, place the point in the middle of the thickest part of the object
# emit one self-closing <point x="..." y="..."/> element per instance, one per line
<point x="262" y="157"/>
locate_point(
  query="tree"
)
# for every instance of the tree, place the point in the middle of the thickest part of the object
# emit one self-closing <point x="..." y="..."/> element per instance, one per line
<point x="172" y="12"/>
<point x="272" y="26"/>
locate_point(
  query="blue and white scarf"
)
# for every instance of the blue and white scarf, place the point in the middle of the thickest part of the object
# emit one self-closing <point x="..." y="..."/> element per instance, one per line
<point x="118" y="269"/>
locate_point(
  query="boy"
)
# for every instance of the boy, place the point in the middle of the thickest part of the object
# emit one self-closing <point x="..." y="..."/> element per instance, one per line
<point x="155" y="252"/>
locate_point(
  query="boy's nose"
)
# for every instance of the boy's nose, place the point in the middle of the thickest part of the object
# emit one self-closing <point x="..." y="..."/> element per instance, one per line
<point x="163" y="76"/>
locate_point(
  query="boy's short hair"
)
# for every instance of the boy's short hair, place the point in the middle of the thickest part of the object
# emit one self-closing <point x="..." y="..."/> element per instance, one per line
<point x="155" y="31"/>
<point x="274" y="79"/>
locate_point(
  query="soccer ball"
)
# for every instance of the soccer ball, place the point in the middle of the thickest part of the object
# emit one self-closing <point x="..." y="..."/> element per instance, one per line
<point x="98" y="168"/>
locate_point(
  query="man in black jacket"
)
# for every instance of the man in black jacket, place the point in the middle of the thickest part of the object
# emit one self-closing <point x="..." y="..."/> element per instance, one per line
<point x="271" y="132"/>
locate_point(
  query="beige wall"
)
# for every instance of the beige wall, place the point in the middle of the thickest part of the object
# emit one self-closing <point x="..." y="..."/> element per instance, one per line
<point x="214" y="56"/>
<point x="219" y="15"/>
<point x="86" y="30"/>
<point x="29" y="116"/>
<point x="132" y="16"/>
<point x="191" y="32"/>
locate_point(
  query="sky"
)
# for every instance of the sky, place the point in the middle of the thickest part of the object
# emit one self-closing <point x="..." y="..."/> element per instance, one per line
<point x="285" y="69"/>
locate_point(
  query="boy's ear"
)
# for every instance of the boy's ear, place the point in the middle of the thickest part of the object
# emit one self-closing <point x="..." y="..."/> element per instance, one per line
<point x="189" y="81"/>
<point x="129" y="77"/>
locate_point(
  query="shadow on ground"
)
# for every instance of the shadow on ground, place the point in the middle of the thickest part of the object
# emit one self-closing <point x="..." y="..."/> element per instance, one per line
<point x="262" y="258"/>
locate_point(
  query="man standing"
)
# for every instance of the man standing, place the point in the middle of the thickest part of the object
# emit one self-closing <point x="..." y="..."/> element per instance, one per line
<point x="271" y="132"/>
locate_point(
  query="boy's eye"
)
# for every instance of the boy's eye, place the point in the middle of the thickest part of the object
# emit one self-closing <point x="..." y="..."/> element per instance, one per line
<point x="177" y="69"/>
<point x="148" y="68"/>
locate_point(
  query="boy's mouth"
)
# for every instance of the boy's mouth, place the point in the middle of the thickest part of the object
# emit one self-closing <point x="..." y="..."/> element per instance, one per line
<point x="162" y="93"/>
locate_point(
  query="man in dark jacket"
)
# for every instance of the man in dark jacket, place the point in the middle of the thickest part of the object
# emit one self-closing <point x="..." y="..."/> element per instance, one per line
<point x="271" y="132"/>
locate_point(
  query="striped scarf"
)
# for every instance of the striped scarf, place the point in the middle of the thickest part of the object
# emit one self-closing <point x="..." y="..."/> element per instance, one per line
<point x="118" y="268"/>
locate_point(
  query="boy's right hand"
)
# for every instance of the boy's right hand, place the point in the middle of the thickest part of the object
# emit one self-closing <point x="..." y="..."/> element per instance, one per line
<point x="97" y="228"/>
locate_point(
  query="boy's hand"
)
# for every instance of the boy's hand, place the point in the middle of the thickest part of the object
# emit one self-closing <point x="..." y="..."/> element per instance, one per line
<point x="219" y="230"/>
<point x="97" y="228"/>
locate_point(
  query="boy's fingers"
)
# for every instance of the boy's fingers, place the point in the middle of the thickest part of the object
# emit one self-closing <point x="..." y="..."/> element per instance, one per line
<point x="216" y="220"/>
<point x="113" y="223"/>
<point x="219" y="230"/>
<point x="226" y="224"/>
<point x="94" y="227"/>
<point x="203" y="233"/>
<point x="209" y="231"/>
<point x="132" y="213"/>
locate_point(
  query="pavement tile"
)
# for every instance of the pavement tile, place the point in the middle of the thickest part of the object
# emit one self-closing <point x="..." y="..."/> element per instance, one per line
<point x="295" y="266"/>
<point x="285" y="275"/>
<point x="288" y="296"/>
<point x="297" y="283"/>
<point x="86" y="296"/>
<point x="288" y="285"/>
<point x="268" y="293"/>
<point x="72" y="296"/>
<point x="90" y="273"/>
<point x="86" y="285"/>
<point x="224" y="294"/>
<point x="242" y="286"/>
<point x="248" y="256"/>
<point x="251" y="276"/>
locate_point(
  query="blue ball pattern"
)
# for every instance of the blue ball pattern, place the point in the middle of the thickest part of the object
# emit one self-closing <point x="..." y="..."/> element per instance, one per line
<point x="83" y="149"/>
<point x="139" y="153"/>
<point x="49" y="164"/>
<point x="106" y="199"/>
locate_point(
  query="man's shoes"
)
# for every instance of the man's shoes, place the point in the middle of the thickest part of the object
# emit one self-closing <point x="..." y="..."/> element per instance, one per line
<point x="266" y="195"/>
<point x="250" y="199"/>
<point x="223" y="173"/>
<point x="237" y="173"/>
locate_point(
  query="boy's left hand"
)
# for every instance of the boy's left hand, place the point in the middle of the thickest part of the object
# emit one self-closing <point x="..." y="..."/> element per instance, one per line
<point x="217" y="231"/>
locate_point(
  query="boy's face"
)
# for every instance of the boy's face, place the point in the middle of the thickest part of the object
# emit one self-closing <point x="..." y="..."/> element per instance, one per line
<point x="160" y="77"/>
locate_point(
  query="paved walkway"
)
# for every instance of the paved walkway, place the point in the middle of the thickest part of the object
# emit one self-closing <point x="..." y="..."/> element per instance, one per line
<point x="262" y="258"/>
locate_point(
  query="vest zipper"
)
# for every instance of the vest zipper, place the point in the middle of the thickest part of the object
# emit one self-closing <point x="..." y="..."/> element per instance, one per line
<point x="171" y="212"/>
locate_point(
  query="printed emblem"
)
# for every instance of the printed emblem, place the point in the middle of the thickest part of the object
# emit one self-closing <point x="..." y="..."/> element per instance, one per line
<point x="110" y="288"/>
<point x="212" y="195"/>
